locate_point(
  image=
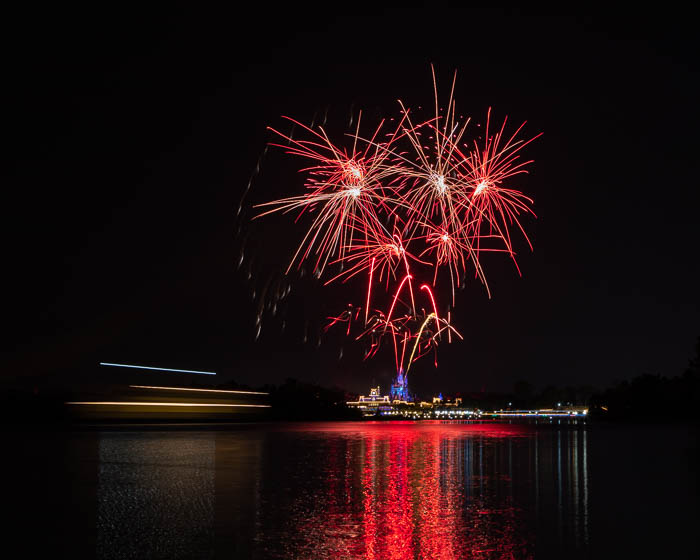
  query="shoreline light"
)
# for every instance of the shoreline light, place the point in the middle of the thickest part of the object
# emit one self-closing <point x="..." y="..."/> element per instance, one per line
<point x="199" y="390"/>
<point x="157" y="368"/>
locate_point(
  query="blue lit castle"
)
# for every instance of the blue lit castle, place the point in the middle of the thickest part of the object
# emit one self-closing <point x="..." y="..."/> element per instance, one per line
<point x="399" y="388"/>
<point x="378" y="404"/>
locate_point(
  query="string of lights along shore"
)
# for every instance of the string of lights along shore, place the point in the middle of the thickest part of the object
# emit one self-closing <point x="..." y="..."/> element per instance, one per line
<point x="401" y="212"/>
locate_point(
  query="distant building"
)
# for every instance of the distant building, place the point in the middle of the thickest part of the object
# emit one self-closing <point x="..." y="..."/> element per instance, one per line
<point x="401" y="404"/>
<point x="440" y="401"/>
<point x="373" y="403"/>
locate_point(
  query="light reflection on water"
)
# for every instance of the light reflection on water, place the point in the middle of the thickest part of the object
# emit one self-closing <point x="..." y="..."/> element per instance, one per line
<point x="345" y="490"/>
<point x="144" y="480"/>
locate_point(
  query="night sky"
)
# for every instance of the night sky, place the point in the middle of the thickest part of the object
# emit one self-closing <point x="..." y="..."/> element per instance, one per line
<point x="133" y="136"/>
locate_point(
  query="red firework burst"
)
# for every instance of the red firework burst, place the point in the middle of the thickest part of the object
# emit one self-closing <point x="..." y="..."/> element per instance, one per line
<point x="419" y="185"/>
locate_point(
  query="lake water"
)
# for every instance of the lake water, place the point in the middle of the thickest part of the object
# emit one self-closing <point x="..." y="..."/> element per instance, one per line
<point x="358" y="490"/>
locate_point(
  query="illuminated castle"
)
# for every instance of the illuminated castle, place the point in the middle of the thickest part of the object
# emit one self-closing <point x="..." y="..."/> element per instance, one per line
<point x="378" y="404"/>
<point x="399" y="388"/>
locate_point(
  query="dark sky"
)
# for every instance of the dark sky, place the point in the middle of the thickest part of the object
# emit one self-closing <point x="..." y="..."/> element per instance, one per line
<point x="134" y="134"/>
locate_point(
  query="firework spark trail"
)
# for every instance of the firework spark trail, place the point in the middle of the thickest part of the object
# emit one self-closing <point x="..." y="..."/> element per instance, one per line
<point x="347" y="188"/>
<point x="410" y="360"/>
<point x="432" y="299"/>
<point x="419" y="183"/>
<point x="379" y="326"/>
<point x="396" y="296"/>
<point x="449" y="333"/>
<point x="485" y="169"/>
<point x="388" y="251"/>
<point x="369" y="288"/>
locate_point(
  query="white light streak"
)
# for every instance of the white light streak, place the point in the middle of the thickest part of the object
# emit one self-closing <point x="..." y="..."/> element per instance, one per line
<point x="157" y="368"/>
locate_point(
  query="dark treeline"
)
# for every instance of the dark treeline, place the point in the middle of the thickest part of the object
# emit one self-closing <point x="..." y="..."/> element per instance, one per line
<point x="645" y="396"/>
<point x="296" y="400"/>
<point x="525" y="397"/>
<point x="649" y="396"/>
<point x="652" y="396"/>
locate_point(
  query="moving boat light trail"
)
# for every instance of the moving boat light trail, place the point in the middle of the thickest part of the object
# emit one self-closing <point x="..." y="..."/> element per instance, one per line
<point x="413" y="200"/>
<point x="191" y="390"/>
<point x="157" y="368"/>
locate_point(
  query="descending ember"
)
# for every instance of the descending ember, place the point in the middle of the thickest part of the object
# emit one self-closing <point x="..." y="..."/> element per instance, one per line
<point x="421" y="185"/>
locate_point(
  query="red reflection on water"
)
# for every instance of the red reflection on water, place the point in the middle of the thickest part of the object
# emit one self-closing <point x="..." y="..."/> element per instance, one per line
<point x="409" y="429"/>
<point x="437" y="528"/>
<point x="398" y="511"/>
<point x="413" y="493"/>
<point x="420" y="492"/>
<point x="369" y="521"/>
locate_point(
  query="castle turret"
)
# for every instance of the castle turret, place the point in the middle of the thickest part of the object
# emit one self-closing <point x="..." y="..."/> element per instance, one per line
<point x="399" y="388"/>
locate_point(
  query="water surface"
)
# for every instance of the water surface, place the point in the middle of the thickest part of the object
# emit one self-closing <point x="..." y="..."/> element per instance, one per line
<point x="365" y="490"/>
